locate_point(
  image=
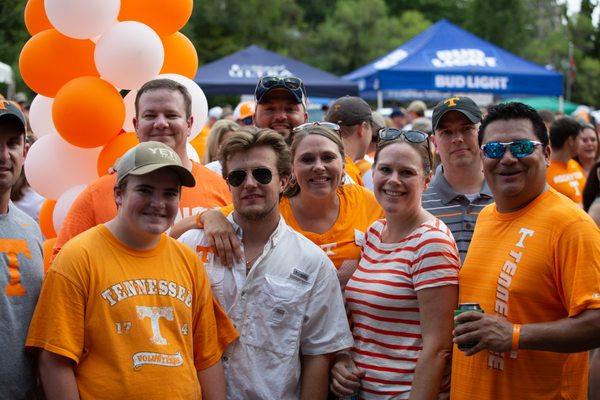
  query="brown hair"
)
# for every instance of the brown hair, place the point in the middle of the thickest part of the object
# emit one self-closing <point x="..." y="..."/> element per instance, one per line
<point x="213" y="141"/>
<point x="293" y="189"/>
<point x="250" y="137"/>
<point x="421" y="148"/>
<point x="165" y="84"/>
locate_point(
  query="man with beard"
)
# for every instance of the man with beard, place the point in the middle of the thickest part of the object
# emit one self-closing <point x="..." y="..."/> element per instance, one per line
<point x="283" y="295"/>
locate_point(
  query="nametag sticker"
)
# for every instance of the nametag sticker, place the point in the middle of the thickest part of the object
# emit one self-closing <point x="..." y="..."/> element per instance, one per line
<point x="299" y="275"/>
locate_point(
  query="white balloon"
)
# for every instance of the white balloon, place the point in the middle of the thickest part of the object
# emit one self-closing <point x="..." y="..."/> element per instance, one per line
<point x="199" y="103"/>
<point x="40" y="116"/>
<point x="129" y="101"/>
<point x="129" y="54"/>
<point x="52" y="166"/>
<point x="82" y="19"/>
<point x="192" y="153"/>
<point x="63" y="204"/>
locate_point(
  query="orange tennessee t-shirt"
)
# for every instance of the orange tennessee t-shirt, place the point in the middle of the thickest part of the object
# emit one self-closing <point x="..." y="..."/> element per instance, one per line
<point x="137" y="324"/>
<point x="343" y="241"/>
<point x="353" y="171"/>
<point x="199" y="142"/>
<point x="568" y="179"/>
<point x="96" y="204"/>
<point x="538" y="264"/>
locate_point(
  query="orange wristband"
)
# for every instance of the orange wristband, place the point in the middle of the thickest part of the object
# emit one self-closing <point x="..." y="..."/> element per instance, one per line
<point x="515" y="337"/>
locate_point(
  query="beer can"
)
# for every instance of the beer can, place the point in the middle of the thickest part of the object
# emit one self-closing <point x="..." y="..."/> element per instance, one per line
<point x="464" y="307"/>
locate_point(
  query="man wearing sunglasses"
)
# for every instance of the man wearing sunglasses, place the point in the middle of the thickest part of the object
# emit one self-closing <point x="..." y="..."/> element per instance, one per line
<point x="283" y="295"/>
<point x="534" y="268"/>
<point x="280" y="104"/>
<point x="458" y="191"/>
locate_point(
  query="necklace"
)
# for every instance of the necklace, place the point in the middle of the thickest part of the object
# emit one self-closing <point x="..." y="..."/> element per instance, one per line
<point x="251" y="261"/>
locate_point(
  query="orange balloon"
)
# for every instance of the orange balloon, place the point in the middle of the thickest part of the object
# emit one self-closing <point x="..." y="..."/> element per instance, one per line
<point x="36" y="19"/>
<point x="47" y="249"/>
<point x="115" y="149"/>
<point x="46" y="224"/>
<point x="88" y="112"/>
<point x="180" y="56"/>
<point x="49" y="60"/>
<point x="165" y="17"/>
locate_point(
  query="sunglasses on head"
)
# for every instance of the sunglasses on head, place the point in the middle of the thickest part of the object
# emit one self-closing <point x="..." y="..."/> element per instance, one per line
<point x="323" y="124"/>
<point x="411" y="136"/>
<point x="518" y="148"/>
<point x="290" y="82"/>
<point x="261" y="175"/>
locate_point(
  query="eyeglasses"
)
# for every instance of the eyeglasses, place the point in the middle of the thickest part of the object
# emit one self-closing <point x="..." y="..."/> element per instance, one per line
<point x="411" y="136"/>
<point x="518" y="148"/>
<point x="290" y="82"/>
<point x="323" y="124"/>
<point x="261" y="175"/>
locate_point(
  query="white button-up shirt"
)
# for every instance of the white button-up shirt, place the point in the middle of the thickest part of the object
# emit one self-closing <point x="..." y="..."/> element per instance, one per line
<point x="289" y="304"/>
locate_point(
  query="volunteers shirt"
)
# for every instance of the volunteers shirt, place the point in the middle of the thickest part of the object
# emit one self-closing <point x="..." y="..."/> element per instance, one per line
<point x="537" y="264"/>
<point x="343" y="241"/>
<point x="288" y="305"/>
<point x="568" y="179"/>
<point x="96" y="204"/>
<point x="382" y="304"/>
<point x="137" y="324"/>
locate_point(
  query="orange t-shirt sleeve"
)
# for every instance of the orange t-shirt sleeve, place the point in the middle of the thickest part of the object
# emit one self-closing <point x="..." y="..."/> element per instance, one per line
<point x="213" y="330"/>
<point x="228" y="209"/>
<point x="58" y="321"/>
<point x="578" y="262"/>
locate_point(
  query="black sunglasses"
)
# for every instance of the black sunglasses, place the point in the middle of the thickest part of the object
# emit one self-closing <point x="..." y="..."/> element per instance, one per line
<point x="261" y="175"/>
<point x="290" y="82"/>
<point x="410" y="136"/>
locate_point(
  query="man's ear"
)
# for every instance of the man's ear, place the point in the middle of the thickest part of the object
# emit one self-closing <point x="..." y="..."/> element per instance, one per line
<point x="283" y="182"/>
<point x="118" y="194"/>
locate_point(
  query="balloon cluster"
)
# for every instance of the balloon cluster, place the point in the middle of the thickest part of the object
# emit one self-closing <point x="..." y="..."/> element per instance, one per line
<point x="82" y="53"/>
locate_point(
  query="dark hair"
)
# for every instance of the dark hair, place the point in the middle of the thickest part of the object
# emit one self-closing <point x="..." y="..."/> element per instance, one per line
<point x="515" y="110"/>
<point x="591" y="190"/>
<point x="249" y="137"/>
<point x="547" y="116"/>
<point x="165" y="84"/>
<point x="561" y="130"/>
<point x="293" y="188"/>
<point x="421" y="148"/>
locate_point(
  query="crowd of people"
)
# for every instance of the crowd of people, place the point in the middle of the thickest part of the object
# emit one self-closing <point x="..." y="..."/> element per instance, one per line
<point x="313" y="259"/>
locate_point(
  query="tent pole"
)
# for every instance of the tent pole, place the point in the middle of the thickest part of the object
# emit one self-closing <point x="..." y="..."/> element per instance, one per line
<point x="561" y="104"/>
<point x="379" y="100"/>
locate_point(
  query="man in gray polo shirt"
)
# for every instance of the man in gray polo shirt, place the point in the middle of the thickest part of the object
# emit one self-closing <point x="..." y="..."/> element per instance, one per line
<point x="458" y="190"/>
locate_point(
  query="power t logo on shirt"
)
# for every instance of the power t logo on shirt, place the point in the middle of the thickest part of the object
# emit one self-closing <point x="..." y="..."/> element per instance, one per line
<point x="12" y="248"/>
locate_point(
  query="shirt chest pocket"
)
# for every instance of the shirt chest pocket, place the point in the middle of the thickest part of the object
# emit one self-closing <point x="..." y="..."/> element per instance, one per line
<point x="216" y="274"/>
<point x="274" y="315"/>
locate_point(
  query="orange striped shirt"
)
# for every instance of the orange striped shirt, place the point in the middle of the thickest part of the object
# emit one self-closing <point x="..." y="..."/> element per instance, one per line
<point x="382" y="304"/>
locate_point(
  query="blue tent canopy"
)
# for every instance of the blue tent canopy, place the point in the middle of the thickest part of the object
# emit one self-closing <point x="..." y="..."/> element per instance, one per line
<point x="446" y="58"/>
<point x="238" y="73"/>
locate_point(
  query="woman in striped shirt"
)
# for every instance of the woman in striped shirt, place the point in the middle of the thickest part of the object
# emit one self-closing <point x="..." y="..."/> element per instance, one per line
<point x="401" y="297"/>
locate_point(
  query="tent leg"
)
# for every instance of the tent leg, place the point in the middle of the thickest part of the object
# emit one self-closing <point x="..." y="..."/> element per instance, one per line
<point x="379" y="100"/>
<point x="561" y="104"/>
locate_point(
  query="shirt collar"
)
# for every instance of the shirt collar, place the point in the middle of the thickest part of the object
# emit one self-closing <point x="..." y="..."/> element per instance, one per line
<point x="447" y="194"/>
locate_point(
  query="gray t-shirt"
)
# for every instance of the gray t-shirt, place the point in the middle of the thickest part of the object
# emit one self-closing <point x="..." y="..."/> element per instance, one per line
<point x="21" y="273"/>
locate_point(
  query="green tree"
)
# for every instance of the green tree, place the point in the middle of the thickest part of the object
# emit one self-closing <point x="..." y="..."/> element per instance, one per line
<point x="433" y="10"/>
<point x="13" y="35"/>
<point x="357" y="32"/>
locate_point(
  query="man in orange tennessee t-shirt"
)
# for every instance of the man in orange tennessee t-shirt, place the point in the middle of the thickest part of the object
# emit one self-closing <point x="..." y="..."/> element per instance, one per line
<point x="534" y="267"/>
<point x="125" y="311"/>
<point x="163" y="114"/>
<point x="565" y="174"/>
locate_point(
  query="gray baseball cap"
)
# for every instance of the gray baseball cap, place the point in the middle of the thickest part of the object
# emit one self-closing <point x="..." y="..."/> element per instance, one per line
<point x="150" y="156"/>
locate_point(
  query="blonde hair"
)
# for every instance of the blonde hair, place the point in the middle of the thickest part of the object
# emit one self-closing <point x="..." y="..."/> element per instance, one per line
<point x="213" y="141"/>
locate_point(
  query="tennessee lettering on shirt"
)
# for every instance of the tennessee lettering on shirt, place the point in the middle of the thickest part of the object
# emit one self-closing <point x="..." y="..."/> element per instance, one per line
<point x="141" y="287"/>
<point x="496" y="360"/>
